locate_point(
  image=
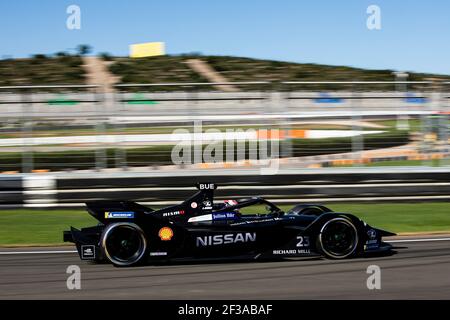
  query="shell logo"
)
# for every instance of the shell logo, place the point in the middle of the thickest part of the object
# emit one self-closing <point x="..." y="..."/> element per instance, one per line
<point x="165" y="233"/>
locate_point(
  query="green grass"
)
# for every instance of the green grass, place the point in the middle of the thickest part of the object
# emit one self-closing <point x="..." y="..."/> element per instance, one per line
<point x="414" y="124"/>
<point x="402" y="217"/>
<point x="405" y="163"/>
<point x="400" y="163"/>
<point x="395" y="163"/>
<point x="45" y="227"/>
<point x="395" y="217"/>
<point x="39" y="227"/>
<point x="47" y="132"/>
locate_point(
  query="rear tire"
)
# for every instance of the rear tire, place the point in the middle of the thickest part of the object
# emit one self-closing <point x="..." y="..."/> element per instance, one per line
<point x="124" y="244"/>
<point x="338" y="239"/>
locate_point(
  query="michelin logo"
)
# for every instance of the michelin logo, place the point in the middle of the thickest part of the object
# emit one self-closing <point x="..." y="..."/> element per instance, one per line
<point x="230" y="238"/>
<point x="119" y="215"/>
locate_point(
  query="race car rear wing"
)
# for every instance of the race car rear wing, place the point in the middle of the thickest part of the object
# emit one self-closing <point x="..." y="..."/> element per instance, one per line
<point x="198" y="204"/>
<point x="203" y="200"/>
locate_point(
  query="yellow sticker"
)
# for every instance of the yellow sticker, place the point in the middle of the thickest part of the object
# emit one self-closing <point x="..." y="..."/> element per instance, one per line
<point x="165" y="233"/>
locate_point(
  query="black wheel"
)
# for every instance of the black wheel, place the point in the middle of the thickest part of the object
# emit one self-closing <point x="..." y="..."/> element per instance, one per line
<point x="124" y="244"/>
<point x="338" y="238"/>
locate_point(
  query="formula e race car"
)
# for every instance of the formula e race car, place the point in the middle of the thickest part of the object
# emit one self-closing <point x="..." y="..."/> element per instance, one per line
<point x="131" y="234"/>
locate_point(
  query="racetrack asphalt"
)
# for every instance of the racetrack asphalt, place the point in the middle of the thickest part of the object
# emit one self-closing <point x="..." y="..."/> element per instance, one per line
<point x="419" y="270"/>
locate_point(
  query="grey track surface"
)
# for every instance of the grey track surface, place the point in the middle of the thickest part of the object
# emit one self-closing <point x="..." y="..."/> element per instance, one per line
<point x="420" y="270"/>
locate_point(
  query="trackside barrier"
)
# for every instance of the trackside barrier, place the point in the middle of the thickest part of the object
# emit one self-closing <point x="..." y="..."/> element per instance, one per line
<point x="39" y="191"/>
<point x="288" y="186"/>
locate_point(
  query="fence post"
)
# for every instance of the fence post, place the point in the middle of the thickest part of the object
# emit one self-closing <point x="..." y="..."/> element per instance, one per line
<point x="100" y="152"/>
<point x="446" y="122"/>
<point x="435" y="123"/>
<point x="279" y="102"/>
<point x="114" y="99"/>
<point x="357" y="139"/>
<point x="27" y="131"/>
<point x="401" y="87"/>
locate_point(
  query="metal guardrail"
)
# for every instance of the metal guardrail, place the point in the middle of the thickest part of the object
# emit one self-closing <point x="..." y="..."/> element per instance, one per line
<point x="68" y="86"/>
<point x="206" y="84"/>
<point x="356" y="82"/>
<point x="26" y="112"/>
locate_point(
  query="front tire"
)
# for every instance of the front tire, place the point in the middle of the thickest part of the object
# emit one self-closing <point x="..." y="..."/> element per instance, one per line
<point x="124" y="244"/>
<point x="338" y="239"/>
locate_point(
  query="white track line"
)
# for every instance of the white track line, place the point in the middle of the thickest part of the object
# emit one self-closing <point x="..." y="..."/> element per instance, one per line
<point x="74" y="251"/>
<point x="37" y="252"/>
<point x="418" y="240"/>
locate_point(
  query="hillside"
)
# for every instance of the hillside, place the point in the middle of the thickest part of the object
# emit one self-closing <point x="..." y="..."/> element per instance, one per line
<point x="236" y="69"/>
<point x="67" y="69"/>
<point x="163" y="69"/>
<point x="42" y="70"/>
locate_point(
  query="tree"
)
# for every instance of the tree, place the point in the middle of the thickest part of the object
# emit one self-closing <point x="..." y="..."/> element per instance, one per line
<point x="105" y="56"/>
<point x="39" y="56"/>
<point x="61" y="54"/>
<point x="84" y="49"/>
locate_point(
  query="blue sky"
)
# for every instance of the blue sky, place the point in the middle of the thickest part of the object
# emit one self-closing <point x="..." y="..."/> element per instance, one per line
<point x="414" y="34"/>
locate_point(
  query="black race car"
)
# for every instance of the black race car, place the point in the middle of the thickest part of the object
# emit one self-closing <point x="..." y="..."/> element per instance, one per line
<point x="131" y="234"/>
